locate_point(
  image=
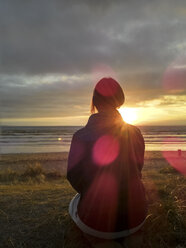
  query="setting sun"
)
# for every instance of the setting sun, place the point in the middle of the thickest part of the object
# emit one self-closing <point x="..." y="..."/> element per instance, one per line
<point x="129" y="115"/>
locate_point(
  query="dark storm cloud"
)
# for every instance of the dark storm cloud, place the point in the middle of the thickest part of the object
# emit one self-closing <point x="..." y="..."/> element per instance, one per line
<point x="56" y="36"/>
<point x="40" y="38"/>
<point x="137" y="39"/>
<point x="38" y="99"/>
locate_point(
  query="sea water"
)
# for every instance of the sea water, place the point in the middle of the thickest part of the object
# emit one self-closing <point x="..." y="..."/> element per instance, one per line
<point x="15" y="139"/>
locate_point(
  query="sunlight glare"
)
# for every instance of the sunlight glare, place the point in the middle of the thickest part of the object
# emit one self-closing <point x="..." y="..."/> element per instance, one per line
<point x="129" y="115"/>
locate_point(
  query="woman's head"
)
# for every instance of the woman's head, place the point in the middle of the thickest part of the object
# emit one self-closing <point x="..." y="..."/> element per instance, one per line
<point x="107" y="94"/>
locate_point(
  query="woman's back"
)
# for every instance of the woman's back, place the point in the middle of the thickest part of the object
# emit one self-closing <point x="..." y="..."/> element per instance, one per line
<point x="104" y="166"/>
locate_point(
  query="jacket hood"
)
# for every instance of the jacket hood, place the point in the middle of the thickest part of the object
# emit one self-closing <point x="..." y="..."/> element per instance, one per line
<point x="104" y="120"/>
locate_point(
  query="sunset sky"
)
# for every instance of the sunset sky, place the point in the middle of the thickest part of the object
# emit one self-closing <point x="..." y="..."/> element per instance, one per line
<point x="53" y="52"/>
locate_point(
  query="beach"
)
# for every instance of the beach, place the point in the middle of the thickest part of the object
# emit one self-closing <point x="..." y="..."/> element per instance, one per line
<point x="57" y="161"/>
<point x="34" y="211"/>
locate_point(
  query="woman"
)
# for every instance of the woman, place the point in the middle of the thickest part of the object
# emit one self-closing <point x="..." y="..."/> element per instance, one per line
<point x="104" y="167"/>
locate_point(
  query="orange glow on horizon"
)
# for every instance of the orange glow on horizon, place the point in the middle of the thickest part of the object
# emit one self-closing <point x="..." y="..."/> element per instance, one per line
<point x="129" y="115"/>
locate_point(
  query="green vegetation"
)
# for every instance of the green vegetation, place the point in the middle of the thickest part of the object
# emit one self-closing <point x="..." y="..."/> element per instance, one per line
<point x="34" y="209"/>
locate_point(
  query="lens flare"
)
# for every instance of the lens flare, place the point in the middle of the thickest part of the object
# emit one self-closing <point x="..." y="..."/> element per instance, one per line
<point x="103" y="190"/>
<point x="174" y="77"/>
<point x="176" y="161"/>
<point x="105" y="150"/>
<point x="101" y="70"/>
<point x="175" y="158"/>
<point x="107" y="88"/>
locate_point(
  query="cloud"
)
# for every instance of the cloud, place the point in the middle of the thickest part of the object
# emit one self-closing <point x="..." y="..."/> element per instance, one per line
<point x="35" y="97"/>
<point x="56" y="36"/>
<point x="49" y="50"/>
<point x="166" y="100"/>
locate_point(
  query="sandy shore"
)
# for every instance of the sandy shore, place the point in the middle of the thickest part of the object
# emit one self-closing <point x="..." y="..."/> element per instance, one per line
<point x="58" y="161"/>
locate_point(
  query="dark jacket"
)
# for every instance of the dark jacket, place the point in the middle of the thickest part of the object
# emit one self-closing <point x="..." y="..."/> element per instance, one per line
<point x="104" y="165"/>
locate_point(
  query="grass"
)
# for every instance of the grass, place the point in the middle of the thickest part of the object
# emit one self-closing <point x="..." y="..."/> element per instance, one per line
<point x="34" y="209"/>
<point x="33" y="173"/>
<point x="34" y="215"/>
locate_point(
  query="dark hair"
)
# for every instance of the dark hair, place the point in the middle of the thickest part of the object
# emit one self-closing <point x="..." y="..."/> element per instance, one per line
<point x="107" y="93"/>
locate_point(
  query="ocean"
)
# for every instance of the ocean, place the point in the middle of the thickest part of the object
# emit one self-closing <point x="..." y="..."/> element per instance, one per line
<point x="32" y="139"/>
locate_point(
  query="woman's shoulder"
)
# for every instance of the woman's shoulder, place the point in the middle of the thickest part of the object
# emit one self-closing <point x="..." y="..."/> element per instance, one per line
<point x="133" y="130"/>
<point x="81" y="134"/>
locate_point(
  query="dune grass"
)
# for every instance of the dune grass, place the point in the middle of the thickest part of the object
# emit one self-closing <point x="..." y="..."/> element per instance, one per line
<point x="34" y="211"/>
<point x="34" y="173"/>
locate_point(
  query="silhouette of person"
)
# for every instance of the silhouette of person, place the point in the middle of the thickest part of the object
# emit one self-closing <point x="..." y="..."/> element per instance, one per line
<point x="104" y="166"/>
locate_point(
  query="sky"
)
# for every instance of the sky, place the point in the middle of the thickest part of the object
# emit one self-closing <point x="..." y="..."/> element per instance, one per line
<point x="52" y="53"/>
